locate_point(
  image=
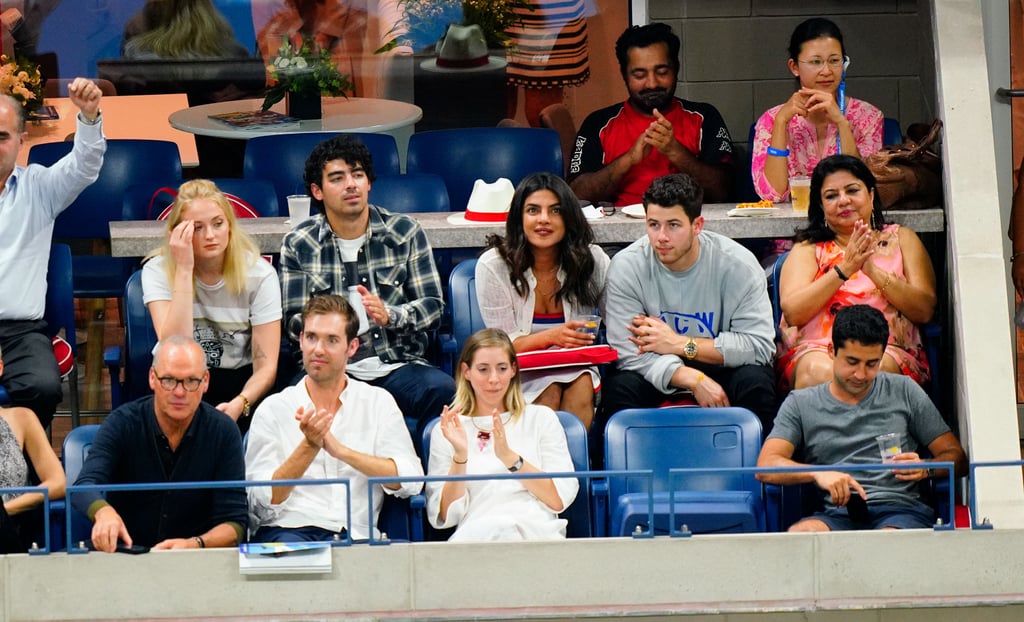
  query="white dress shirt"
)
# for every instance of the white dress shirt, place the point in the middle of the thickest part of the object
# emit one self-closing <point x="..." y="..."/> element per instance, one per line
<point x="368" y="421"/>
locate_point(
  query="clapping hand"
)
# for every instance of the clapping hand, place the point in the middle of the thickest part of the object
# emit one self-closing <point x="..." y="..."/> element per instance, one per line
<point x="501" y="448"/>
<point x="451" y="428"/>
<point x="314" y="424"/>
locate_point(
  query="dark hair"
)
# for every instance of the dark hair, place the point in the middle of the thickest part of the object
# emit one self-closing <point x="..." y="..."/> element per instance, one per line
<point x="341" y="147"/>
<point x="817" y="230"/>
<point x="326" y="304"/>
<point x="811" y="29"/>
<point x="676" y="189"/>
<point x="574" y="254"/>
<point x="861" y="323"/>
<point x="646" y="36"/>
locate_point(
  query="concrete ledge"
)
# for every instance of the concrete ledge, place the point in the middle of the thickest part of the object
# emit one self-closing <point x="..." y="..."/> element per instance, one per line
<point x="712" y="576"/>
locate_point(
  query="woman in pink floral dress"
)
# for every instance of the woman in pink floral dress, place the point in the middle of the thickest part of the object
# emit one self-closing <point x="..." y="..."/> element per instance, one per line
<point x="817" y="120"/>
<point x="848" y="255"/>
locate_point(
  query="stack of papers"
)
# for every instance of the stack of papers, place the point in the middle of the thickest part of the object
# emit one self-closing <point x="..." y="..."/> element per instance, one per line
<point x="284" y="558"/>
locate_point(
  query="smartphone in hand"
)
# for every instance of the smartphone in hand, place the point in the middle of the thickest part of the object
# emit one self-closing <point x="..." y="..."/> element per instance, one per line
<point x="857" y="508"/>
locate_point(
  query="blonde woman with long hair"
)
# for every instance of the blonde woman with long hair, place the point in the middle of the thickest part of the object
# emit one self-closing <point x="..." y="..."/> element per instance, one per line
<point x="490" y="429"/>
<point x="208" y="282"/>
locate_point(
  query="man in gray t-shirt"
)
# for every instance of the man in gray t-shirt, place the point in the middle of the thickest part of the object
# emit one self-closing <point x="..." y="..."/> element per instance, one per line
<point x="838" y="422"/>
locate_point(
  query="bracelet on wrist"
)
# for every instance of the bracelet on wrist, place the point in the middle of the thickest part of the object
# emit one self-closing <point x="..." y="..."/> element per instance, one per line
<point x="888" y="279"/>
<point x="842" y="276"/>
<point x="199" y="540"/>
<point x="1017" y="254"/>
<point x="700" y="379"/>
<point x="779" y="153"/>
<point x="457" y="462"/>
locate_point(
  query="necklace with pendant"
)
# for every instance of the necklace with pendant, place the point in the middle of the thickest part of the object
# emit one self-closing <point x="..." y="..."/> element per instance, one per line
<point x="484" y="436"/>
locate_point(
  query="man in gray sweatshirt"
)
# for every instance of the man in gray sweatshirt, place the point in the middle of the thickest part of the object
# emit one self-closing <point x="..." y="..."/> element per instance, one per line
<point x="687" y="310"/>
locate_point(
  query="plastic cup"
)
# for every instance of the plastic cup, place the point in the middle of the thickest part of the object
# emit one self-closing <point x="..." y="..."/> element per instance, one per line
<point x="591" y="324"/>
<point x="800" y="192"/>
<point x="889" y="446"/>
<point x="298" y="208"/>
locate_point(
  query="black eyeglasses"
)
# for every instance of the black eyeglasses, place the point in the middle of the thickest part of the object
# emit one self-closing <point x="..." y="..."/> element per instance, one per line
<point x="170" y="383"/>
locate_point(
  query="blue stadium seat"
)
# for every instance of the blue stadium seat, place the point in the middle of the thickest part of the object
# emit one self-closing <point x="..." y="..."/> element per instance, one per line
<point x="139" y="340"/>
<point x="125" y="162"/>
<point x="407" y="194"/>
<point x="281" y="159"/>
<point x="140" y="203"/>
<point x="465" y="312"/>
<point x="461" y="156"/>
<point x="684" y="437"/>
<point x="75" y="450"/>
<point x="891" y="133"/>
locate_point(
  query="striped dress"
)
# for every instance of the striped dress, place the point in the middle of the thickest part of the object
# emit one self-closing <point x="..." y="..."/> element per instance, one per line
<point x="549" y="45"/>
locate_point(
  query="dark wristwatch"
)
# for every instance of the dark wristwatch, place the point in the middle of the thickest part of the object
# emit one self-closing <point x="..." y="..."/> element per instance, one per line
<point x="518" y="465"/>
<point x="690" y="349"/>
<point x="392" y="316"/>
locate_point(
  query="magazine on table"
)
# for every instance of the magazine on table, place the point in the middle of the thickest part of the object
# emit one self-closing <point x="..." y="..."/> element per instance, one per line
<point x="255" y="119"/>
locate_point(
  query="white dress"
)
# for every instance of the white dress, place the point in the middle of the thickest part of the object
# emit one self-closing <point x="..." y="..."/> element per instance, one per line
<point x="503" y="509"/>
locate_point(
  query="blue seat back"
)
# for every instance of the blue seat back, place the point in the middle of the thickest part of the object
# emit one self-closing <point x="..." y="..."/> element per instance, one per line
<point x="773" y="290"/>
<point x="281" y="159"/>
<point x="461" y="156"/>
<point x="891" y="133"/>
<point x="60" y="295"/>
<point x="75" y="450"/>
<point x="578" y="513"/>
<point x="141" y="204"/>
<point x="682" y="437"/>
<point x="406" y="194"/>
<point x="139" y="340"/>
<point x="125" y="162"/>
<point x="462" y="301"/>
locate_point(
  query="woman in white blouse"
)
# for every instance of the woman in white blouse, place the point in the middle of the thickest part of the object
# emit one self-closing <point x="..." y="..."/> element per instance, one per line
<point x="534" y="281"/>
<point x="490" y="429"/>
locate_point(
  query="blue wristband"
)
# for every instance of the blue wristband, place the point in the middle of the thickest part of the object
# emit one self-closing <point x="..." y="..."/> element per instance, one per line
<point x="782" y="153"/>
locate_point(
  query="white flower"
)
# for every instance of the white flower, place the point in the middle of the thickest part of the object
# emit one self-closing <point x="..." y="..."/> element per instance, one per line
<point x="301" y="63"/>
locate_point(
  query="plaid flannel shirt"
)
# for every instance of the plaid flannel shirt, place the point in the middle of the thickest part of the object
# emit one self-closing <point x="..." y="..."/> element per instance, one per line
<point x="395" y="263"/>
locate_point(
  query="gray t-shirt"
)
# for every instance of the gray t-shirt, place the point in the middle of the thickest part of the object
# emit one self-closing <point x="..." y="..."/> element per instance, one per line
<point x="827" y="431"/>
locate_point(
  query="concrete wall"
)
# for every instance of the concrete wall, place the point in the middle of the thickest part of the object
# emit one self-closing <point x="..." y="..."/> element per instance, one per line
<point x="872" y="576"/>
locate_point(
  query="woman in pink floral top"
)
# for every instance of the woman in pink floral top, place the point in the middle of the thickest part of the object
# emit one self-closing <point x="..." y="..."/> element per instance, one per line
<point x="791" y="138"/>
<point x="848" y="255"/>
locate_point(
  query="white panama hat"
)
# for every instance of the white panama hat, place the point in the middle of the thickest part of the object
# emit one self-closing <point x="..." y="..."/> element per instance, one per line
<point x="462" y="49"/>
<point x="489" y="203"/>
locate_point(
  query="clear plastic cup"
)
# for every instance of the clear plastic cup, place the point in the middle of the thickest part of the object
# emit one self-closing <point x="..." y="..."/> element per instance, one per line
<point x="298" y="208"/>
<point x="800" y="193"/>
<point x="889" y="446"/>
<point x="591" y="323"/>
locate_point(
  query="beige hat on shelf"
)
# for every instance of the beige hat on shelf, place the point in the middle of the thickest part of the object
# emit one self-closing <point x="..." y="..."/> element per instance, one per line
<point x="489" y="203"/>
<point x="463" y="49"/>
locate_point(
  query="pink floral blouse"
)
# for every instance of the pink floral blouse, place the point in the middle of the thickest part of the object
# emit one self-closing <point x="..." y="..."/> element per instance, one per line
<point x="865" y="123"/>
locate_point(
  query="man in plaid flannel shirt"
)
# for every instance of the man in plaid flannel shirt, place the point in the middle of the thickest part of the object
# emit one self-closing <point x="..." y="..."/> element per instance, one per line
<point x="383" y="263"/>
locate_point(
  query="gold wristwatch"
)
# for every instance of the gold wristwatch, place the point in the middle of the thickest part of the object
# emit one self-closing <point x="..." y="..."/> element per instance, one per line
<point x="690" y="349"/>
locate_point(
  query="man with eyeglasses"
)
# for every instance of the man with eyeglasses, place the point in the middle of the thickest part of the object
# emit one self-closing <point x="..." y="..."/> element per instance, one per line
<point x="171" y="436"/>
<point x="621" y="149"/>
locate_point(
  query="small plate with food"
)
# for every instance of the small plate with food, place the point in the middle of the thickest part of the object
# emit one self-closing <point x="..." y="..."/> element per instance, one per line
<point x="760" y="208"/>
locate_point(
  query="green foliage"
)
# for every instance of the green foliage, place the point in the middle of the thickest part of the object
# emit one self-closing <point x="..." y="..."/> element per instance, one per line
<point x="308" y="70"/>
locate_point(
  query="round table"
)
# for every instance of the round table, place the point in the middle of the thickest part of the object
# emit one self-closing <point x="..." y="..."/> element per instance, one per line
<point x="354" y="114"/>
<point x="340" y="114"/>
